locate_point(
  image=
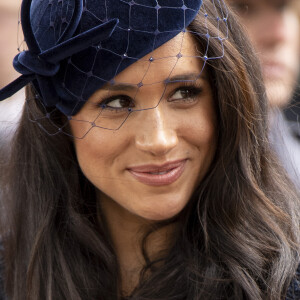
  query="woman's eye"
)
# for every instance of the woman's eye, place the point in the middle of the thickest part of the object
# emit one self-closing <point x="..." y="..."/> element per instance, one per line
<point x="118" y="102"/>
<point x="185" y="94"/>
<point x="241" y="8"/>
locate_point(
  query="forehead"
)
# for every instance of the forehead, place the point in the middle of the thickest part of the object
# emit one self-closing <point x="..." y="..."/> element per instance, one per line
<point x="179" y="55"/>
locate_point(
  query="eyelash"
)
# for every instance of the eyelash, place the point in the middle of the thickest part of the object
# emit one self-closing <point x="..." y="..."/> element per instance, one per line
<point x="194" y="89"/>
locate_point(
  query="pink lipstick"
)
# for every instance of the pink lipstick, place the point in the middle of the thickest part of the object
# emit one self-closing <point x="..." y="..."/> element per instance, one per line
<point x="158" y="175"/>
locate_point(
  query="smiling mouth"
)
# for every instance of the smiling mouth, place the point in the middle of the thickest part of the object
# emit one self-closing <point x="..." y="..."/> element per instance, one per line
<point x="158" y="175"/>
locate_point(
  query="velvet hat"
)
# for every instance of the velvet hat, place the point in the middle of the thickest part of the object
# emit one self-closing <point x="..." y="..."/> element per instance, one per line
<point x="77" y="46"/>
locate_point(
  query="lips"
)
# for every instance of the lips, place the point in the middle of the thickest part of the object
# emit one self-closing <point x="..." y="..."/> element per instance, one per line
<point x="158" y="175"/>
<point x="273" y="69"/>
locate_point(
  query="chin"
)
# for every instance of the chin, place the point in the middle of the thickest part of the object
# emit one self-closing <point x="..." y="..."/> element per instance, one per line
<point x="163" y="216"/>
<point x="164" y="210"/>
<point x="279" y="95"/>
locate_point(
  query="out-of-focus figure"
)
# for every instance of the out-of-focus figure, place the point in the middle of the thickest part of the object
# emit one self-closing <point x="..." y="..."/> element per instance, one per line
<point x="9" y="109"/>
<point x="274" y="29"/>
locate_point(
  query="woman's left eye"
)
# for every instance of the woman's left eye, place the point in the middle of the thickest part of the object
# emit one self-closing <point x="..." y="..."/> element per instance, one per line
<point x="119" y="103"/>
<point x="185" y="93"/>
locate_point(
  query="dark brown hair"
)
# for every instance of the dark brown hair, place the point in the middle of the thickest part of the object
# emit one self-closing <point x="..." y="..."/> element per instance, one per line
<point x="238" y="237"/>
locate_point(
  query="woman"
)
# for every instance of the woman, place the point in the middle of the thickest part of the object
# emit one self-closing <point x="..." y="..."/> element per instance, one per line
<point x="156" y="182"/>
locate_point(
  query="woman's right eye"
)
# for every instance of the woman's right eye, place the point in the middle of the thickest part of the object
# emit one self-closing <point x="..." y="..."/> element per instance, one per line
<point x="117" y="103"/>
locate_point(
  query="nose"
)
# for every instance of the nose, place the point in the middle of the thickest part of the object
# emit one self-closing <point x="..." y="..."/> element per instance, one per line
<point x="156" y="134"/>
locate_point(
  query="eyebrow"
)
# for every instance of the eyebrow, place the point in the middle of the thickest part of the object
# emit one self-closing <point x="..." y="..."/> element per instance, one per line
<point x="120" y="87"/>
<point x="171" y="80"/>
<point x="186" y="77"/>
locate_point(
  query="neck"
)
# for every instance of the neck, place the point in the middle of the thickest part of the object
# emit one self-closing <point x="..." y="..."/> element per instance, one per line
<point x="127" y="232"/>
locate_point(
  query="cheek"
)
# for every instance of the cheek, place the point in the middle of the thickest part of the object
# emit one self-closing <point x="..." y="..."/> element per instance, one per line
<point x="201" y="136"/>
<point x="89" y="156"/>
<point x="97" y="152"/>
<point x="295" y="49"/>
<point x="205" y="137"/>
<point x="201" y="129"/>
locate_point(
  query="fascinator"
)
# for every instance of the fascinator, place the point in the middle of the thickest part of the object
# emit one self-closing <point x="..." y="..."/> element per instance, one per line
<point x="77" y="46"/>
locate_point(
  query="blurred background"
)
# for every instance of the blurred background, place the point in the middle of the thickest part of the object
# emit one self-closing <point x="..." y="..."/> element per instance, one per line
<point x="9" y="12"/>
<point x="273" y="27"/>
<point x="9" y="109"/>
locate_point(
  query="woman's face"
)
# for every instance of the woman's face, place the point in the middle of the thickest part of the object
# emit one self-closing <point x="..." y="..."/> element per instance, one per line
<point x="151" y="165"/>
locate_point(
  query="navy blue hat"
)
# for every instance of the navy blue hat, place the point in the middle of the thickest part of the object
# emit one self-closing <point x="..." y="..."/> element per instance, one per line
<point x="77" y="46"/>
